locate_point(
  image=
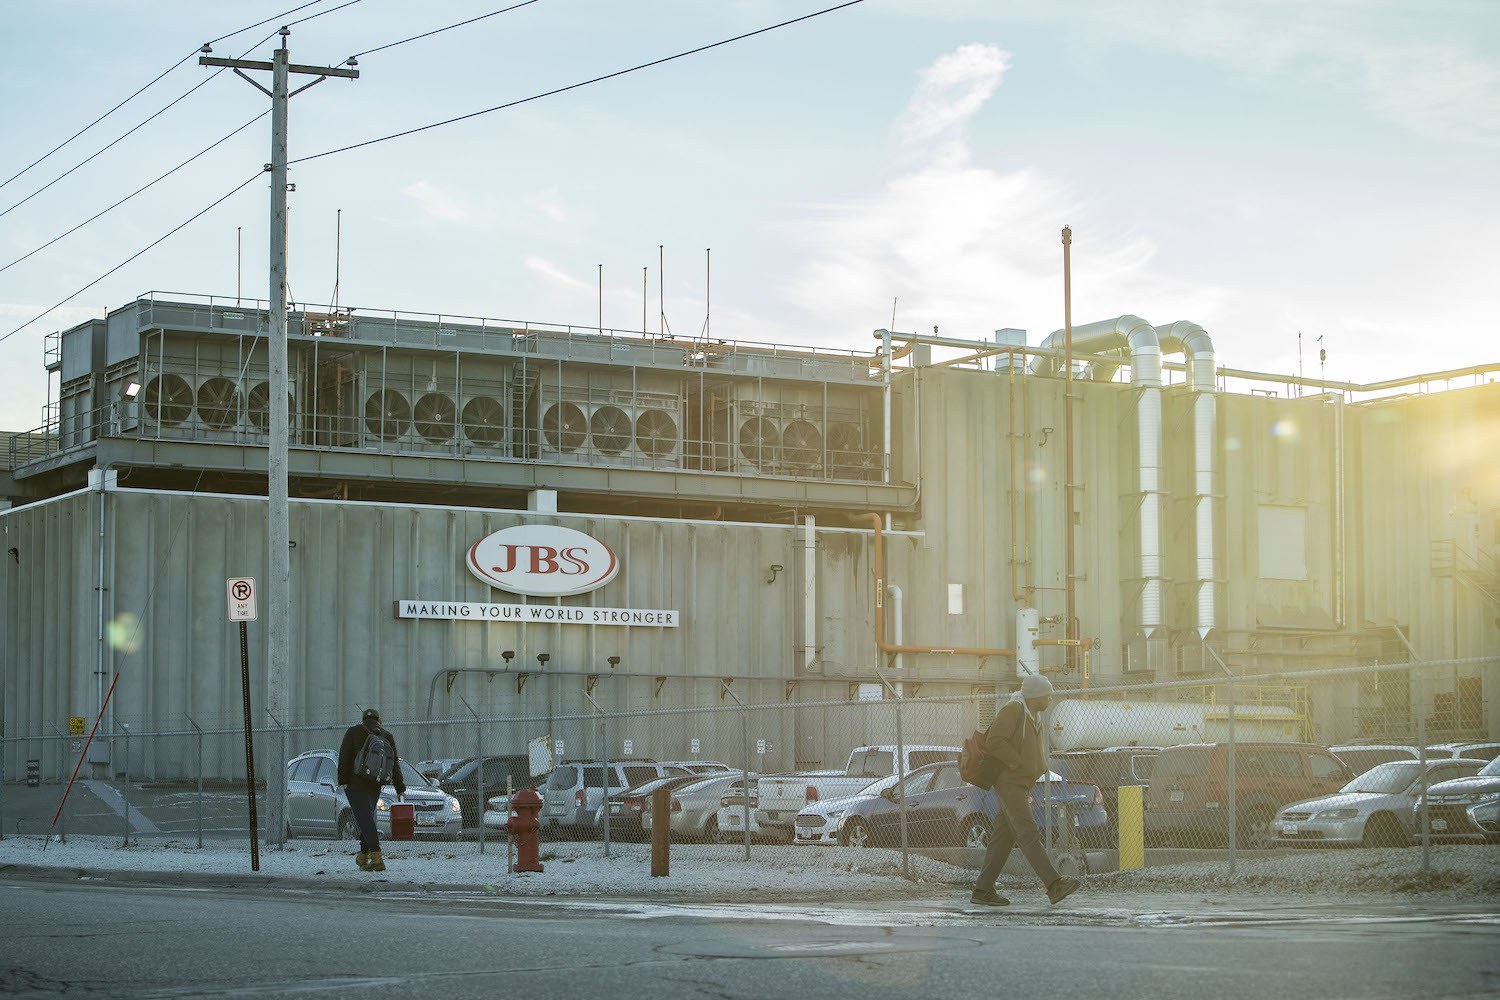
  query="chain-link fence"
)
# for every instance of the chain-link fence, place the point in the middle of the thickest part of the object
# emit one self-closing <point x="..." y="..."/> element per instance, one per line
<point x="1137" y="774"/>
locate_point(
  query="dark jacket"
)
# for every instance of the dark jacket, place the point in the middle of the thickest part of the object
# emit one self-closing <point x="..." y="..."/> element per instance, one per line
<point x="354" y="740"/>
<point x="1016" y="742"/>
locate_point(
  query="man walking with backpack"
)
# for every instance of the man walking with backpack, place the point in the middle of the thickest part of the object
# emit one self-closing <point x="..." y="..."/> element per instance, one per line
<point x="367" y="761"/>
<point x="1014" y="742"/>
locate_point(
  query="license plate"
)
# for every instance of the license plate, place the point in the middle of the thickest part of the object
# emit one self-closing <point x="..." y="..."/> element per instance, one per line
<point x="429" y="820"/>
<point x="1438" y="825"/>
<point x="614" y="810"/>
<point x="1175" y="796"/>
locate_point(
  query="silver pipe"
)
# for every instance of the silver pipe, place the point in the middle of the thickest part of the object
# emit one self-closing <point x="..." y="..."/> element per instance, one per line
<point x="1191" y="340"/>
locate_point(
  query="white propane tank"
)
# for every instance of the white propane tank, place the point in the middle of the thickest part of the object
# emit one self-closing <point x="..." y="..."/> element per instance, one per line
<point x="1073" y="725"/>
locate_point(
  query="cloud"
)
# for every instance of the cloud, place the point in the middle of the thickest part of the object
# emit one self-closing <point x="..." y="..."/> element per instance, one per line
<point x="961" y="246"/>
<point x="437" y="204"/>
<point x="555" y="275"/>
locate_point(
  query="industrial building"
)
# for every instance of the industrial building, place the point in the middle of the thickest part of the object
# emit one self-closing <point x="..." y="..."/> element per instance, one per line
<point x="788" y="523"/>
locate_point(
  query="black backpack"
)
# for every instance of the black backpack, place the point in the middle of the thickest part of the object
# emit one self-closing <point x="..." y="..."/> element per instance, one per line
<point x="376" y="760"/>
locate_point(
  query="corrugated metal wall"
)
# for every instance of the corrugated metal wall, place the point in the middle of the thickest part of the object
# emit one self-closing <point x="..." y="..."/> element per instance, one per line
<point x="1418" y="470"/>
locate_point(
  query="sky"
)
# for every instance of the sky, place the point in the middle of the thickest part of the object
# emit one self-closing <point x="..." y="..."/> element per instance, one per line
<point x="1291" y="177"/>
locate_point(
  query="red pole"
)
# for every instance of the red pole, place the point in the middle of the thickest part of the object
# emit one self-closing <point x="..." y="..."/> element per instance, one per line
<point x="81" y="756"/>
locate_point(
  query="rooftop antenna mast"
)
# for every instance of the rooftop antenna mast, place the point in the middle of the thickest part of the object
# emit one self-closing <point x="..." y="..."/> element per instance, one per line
<point x="278" y="564"/>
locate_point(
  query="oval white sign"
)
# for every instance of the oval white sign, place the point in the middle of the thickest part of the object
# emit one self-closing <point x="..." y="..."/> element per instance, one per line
<point x="542" y="560"/>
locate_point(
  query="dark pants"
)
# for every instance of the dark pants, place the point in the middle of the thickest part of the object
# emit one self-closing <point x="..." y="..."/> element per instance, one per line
<point x="1014" y="827"/>
<point x="362" y="798"/>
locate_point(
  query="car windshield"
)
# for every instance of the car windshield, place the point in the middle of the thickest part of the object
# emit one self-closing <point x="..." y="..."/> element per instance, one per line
<point x="872" y="763"/>
<point x="1491" y="769"/>
<point x="1386" y="779"/>
<point x="413" y="778"/>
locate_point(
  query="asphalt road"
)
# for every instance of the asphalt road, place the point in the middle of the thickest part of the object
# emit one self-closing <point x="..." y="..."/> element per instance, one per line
<point x="119" y="939"/>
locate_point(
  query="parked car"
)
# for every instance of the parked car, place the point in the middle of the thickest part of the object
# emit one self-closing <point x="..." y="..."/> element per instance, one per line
<point x="1484" y="750"/>
<point x="1362" y="756"/>
<point x="575" y="789"/>
<point x="700" y="766"/>
<point x="1449" y="804"/>
<point x="1187" y="801"/>
<point x="439" y="766"/>
<point x="463" y="780"/>
<point x="695" y="807"/>
<point x="822" y="821"/>
<point x="783" y="796"/>
<point x="1486" y="816"/>
<point x="944" y="811"/>
<point x="1108" y="768"/>
<point x="735" y="811"/>
<point x="317" y="807"/>
<point x="626" y="807"/>
<point x="1373" y="810"/>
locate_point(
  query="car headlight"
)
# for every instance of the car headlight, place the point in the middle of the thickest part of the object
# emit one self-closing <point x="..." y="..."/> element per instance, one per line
<point x="453" y="805"/>
<point x="1478" y="798"/>
<point x="834" y="814"/>
<point x="1338" y="814"/>
<point x="382" y="805"/>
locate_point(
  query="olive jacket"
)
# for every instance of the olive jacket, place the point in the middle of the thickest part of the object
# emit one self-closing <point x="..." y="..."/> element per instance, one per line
<point x="1015" y="740"/>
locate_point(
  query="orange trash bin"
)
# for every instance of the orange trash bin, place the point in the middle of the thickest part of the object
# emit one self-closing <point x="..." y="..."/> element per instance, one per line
<point x="403" y="821"/>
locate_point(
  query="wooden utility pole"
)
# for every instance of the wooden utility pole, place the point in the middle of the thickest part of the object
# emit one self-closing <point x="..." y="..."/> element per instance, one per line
<point x="278" y="532"/>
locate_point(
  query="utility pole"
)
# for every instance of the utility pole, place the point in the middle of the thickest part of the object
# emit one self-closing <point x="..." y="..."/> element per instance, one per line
<point x="278" y="532"/>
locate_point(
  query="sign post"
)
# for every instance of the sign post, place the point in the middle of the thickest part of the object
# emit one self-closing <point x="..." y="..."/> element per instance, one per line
<point x="241" y="591"/>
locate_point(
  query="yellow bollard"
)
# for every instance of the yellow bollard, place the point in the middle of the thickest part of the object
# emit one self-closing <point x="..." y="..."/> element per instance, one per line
<point x="1132" y="815"/>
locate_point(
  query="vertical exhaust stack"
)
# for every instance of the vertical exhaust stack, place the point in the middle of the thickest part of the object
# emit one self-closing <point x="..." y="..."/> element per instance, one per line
<point x="1194" y="343"/>
<point x="1137" y="337"/>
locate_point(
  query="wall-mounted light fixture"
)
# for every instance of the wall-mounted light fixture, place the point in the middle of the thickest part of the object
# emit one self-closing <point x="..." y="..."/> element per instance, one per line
<point x="774" y="569"/>
<point x="508" y="655"/>
<point x="613" y="661"/>
<point x="542" y="658"/>
<point x="132" y="389"/>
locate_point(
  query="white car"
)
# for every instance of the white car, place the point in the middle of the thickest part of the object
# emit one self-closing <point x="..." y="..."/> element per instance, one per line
<point x="732" y="814"/>
<point x="820" y="822"/>
<point x="497" y="812"/>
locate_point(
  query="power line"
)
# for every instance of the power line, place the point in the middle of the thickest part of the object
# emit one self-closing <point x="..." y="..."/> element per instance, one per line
<point x="437" y="31"/>
<point x="158" y="78"/>
<point x="132" y="131"/>
<point x="576" y="86"/>
<point x="150" y="184"/>
<point x="48" y="311"/>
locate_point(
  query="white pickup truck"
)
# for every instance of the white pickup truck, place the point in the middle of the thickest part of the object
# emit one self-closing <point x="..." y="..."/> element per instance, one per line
<point x="782" y="796"/>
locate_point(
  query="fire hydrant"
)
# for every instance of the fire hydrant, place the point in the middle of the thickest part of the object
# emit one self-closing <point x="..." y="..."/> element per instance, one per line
<point x="525" y="829"/>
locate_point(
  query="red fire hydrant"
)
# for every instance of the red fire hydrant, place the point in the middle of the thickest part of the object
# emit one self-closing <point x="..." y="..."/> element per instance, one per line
<point x="525" y="829"/>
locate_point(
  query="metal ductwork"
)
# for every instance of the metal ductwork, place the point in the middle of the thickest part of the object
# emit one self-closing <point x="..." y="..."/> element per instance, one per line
<point x="1194" y="343"/>
<point x="1137" y="337"/>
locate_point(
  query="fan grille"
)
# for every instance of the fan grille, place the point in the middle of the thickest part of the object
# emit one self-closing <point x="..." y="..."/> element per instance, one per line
<point x="758" y="439"/>
<point x="610" y="427"/>
<point x="656" y="433"/>
<point x="387" y="414"/>
<point x="565" y="427"/>
<point x="484" y="421"/>
<point x="167" y="400"/>
<point x="218" y="403"/>
<point x="434" y="416"/>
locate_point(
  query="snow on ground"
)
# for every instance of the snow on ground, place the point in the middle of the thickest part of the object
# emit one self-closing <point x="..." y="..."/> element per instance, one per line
<point x="1458" y="872"/>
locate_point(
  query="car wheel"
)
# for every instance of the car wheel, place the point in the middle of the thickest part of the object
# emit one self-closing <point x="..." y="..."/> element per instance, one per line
<point x="348" y="829"/>
<point x="1383" y="830"/>
<point x="976" y="832"/>
<point x="1254" y="829"/>
<point x="856" y="832"/>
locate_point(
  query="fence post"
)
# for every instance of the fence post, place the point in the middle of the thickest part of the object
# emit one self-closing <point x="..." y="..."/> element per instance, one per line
<point x="126" y="726"/>
<point x="900" y="768"/>
<point x="1234" y="816"/>
<point x="724" y="688"/>
<point x="4" y="753"/>
<point x="199" y="780"/>
<point x="479" y="770"/>
<point x="1420" y="697"/>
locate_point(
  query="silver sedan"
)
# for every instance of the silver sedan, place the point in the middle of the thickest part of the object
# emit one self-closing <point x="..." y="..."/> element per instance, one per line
<point x="1373" y="810"/>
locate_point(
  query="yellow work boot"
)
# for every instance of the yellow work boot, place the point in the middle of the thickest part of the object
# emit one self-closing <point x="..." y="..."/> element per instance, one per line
<point x="374" y="863"/>
<point x="361" y="859"/>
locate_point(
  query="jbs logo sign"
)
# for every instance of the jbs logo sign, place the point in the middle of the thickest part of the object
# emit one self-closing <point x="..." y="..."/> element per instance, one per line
<point x="542" y="560"/>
